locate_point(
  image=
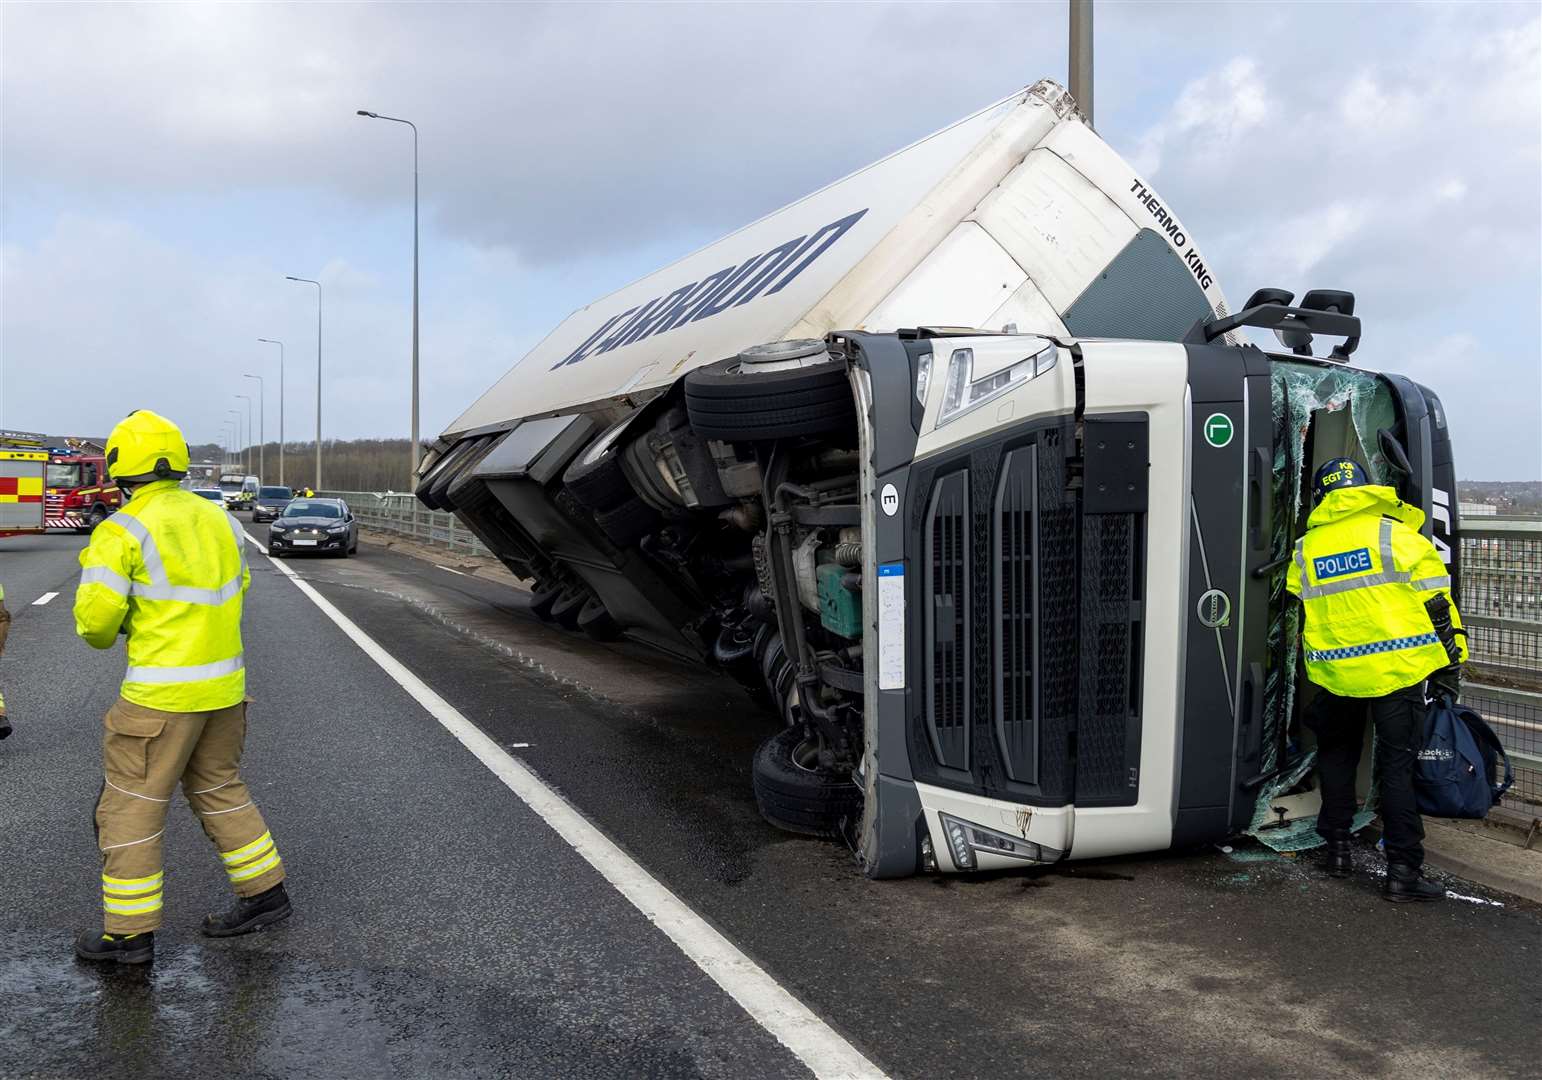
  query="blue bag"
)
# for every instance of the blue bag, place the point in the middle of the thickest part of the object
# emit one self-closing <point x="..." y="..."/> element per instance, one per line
<point x="1454" y="774"/>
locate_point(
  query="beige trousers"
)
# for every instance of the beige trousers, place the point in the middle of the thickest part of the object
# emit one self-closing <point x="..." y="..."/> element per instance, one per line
<point x="146" y="754"/>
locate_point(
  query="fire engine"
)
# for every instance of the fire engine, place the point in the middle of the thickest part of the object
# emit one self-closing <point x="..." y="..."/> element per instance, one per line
<point x="79" y="494"/>
<point x="23" y="462"/>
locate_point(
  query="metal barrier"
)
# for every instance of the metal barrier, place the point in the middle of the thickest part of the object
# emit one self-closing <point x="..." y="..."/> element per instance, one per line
<point x="1501" y="601"/>
<point x="402" y="515"/>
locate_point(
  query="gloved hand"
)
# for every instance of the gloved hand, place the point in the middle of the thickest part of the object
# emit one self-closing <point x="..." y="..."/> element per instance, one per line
<point x="1447" y="681"/>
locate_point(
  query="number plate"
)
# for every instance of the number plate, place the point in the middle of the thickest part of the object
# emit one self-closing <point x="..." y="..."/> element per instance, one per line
<point x="303" y="543"/>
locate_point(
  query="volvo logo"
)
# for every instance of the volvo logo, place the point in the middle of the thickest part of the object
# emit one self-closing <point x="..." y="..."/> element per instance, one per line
<point x="1214" y="609"/>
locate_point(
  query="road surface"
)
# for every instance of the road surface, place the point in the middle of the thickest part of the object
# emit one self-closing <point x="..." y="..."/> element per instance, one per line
<point x="444" y="928"/>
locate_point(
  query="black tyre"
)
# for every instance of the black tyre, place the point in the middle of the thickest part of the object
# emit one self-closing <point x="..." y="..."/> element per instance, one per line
<point x="627" y="523"/>
<point x="542" y="597"/>
<point x="568" y="607"/>
<point x="273" y="554"/>
<point x="734" y="401"/>
<point x="595" y="621"/>
<point x="596" y="480"/>
<point x="795" y="794"/>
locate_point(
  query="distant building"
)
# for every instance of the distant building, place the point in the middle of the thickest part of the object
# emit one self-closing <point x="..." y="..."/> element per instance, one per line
<point x="1477" y="509"/>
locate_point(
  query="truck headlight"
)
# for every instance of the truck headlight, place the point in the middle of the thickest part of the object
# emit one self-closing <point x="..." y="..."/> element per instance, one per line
<point x="965" y="838"/>
<point x="963" y="392"/>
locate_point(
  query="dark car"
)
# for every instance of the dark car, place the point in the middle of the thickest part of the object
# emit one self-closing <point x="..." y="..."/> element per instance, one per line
<point x="312" y="526"/>
<point x="270" y="503"/>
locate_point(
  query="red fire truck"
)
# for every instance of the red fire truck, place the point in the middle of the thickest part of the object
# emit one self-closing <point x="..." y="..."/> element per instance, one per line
<point x="79" y="494"/>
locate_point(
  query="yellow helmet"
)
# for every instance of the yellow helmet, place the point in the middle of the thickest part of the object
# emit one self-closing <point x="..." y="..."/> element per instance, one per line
<point x="146" y="446"/>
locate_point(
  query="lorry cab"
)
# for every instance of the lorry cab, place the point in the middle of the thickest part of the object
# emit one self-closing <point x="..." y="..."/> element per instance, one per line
<point x="963" y="467"/>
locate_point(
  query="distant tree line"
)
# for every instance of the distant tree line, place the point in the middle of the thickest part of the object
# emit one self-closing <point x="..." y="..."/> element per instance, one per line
<point x="346" y="464"/>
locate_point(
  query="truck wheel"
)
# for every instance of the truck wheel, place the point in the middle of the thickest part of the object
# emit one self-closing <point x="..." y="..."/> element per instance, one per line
<point x="597" y="481"/>
<point x="770" y="392"/>
<point x="595" y="621"/>
<point x="795" y="794"/>
<point x="627" y="523"/>
<point x="568" y="607"/>
<point x="542" y="597"/>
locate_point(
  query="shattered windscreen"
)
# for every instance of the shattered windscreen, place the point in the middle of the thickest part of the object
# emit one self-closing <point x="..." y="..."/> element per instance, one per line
<point x="1318" y="411"/>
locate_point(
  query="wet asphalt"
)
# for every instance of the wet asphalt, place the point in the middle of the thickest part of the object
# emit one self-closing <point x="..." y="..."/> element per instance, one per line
<point x="443" y="930"/>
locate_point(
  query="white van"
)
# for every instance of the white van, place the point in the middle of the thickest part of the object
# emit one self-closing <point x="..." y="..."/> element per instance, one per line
<point x="959" y="464"/>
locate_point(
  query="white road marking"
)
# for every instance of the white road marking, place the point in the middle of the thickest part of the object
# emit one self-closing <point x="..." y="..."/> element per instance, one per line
<point x="447" y="570"/>
<point x="519" y="746"/>
<point x="826" y="1054"/>
<point x="40" y="601"/>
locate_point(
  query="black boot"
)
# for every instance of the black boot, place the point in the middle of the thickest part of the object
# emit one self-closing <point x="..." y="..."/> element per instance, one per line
<point x="250" y="913"/>
<point x="5" y="726"/>
<point x="1336" y="853"/>
<point x="1404" y="885"/>
<point x="116" y="948"/>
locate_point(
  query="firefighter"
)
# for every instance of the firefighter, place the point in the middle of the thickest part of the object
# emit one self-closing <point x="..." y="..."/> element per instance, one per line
<point x="169" y="572"/>
<point x="1378" y="621"/>
<point x="5" y="628"/>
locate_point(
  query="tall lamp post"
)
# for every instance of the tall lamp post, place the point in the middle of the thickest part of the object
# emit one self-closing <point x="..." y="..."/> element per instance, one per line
<point x="248" y="399"/>
<point x="262" y="426"/>
<point x="237" y="414"/>
<point x="308" y="281"/>
<point x="280" y="344"/>
<point x="1080" y="60"/>
<point x="414" y="127"/>
<point x="230" y="442"/>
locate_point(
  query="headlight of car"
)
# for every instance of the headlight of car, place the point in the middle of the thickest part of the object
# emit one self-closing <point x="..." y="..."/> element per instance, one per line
<point x="275" y="528"/>
<point x="338" y="530"/>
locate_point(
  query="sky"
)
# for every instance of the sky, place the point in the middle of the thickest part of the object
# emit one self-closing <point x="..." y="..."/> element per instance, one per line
<point x="163" y="167"/>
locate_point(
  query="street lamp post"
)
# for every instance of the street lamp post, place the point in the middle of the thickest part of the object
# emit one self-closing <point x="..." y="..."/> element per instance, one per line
<point x="280" y="345"/>
<point x="1080" y="60"/>
<point x="230" y="441"/>
<point x="237" y="414"/>
<point x="248" y="399"/>
<point x="308" y="281"/>
<point x="415" y="445"/>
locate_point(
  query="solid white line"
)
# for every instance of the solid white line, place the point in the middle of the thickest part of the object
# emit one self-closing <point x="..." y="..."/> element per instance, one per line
<point x="792" y="1023"/>
<point x="447" y="570"/>
<point x="40" y="601"/>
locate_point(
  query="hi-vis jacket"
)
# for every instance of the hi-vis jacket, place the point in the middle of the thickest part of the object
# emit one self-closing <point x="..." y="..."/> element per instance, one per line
<point x="1364" y="573"/>
<point x="169" y="570"/>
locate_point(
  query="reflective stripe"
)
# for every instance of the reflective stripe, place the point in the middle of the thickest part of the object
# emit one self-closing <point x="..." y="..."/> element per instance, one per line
<point x="188" y="594"/>
<point x="155" y="570"/>
<point x="246" y="851"/>
<point x="216" y="813"/>
<point x="100" y="575"/>
<point x="1350" y="652"/>
<point x="119" y="883"/>
<point x="192" y="673"/>
<point x="132" y="907"/>
<point x="240" y="537"/>
<point x="256" y="869"/>
<point x="1430" y="583"/>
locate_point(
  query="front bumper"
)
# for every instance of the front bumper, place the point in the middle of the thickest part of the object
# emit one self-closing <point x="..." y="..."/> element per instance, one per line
<point x="303" y="543"/>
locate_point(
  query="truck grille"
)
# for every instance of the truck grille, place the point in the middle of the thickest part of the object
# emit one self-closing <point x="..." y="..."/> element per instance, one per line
<point x="1016" y="712"/>
<point x="947" y="624"/>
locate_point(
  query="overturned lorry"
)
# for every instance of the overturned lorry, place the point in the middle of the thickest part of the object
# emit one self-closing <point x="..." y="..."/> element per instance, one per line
<point x="961" y="465"/>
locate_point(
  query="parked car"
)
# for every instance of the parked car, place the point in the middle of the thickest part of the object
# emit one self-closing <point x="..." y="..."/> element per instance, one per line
<point x="212" y="494"/>
<point x="270" y="503"/>
<point x="313" y="526"/>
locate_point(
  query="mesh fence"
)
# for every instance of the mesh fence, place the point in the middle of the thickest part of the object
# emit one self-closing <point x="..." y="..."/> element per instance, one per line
<point x="1501" y="606"/>
<point x="403" y="515"/>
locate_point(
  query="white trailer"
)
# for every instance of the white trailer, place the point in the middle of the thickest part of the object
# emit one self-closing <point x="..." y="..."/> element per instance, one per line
<point x="957" y="463"/>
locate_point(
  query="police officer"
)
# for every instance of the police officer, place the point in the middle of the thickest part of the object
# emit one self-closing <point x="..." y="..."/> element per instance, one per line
<point x="169" y="572"/>
<point x="1378" y="623"/>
